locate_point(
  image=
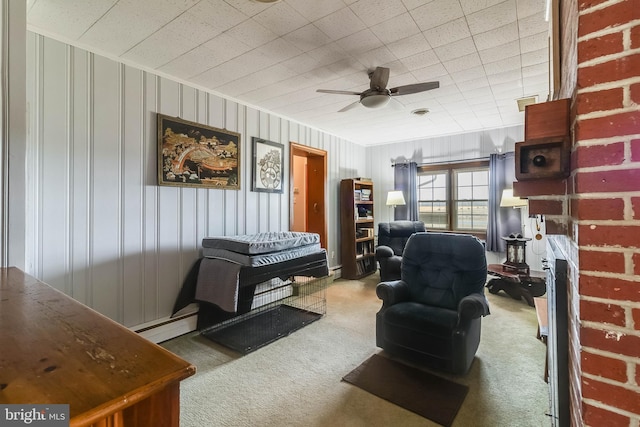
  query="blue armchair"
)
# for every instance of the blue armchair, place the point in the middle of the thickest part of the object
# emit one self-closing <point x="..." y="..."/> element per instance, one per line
<point x="392" y="237"/>
<point x="432" y="315"/>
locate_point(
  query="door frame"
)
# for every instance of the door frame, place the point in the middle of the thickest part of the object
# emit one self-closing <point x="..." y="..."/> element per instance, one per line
<point x="305" y="151"/>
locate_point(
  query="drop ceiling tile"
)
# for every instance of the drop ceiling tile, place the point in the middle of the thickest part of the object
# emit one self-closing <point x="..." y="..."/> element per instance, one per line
<point x="127" y="23"/>
<point x="373" y="12"/>
<point x="217" y="76"/>
<point x="328" y="54"/>
<point x="505" y="76"/>
<point x="281" y="19"/>
<point x="249" y="8"/>
<point x="463" y="63"/>
<point x="536" y="69"/>
<point x="68" y="18"/>
<point x="420" y="60"/>
<point x="429" y="73"/>
<point x="535" y="80"/>
<point x="507" y="90"/>
<point x="159" y="49"/>
<point x="497" y="53"/>
<point x="192" y="63"/>
<point x="252" y="33"/>
<point x="447" y="33"/>
<point x="479" y="98"/>
<point x="409" y="46"/>
<point x="469" y="85"/>
<point x="497" y="37"/>
<point x="301" y="63"/>
<point x="542" y="89"/>
<point x="360" y="42"/>
<point x="539" y="56"/>
<point x="436" y="13"/>
<point x="486" y="109"/>
<point x="532" y="24"/>
<point x="226" y="47"/>
<point x="267" y="76"/>
<point x="340" y="24"/>
<point x="527" y="7"/>
<point x="191" y="27"/>
<point x="492" y="121"/>
<point x="397" y="28"/>
<point x="472" y="73"/>
<point x="315" y="10"/>
<point x="376" y="57"/>
<point x="492" y="17"/>
<point x="503" y="65"/>
<point x="514" y="118"/>
<point x="456" y="49"/>
<point x="534" y="42"/>
<point x="307" y="38"/>
<point x="218" y="15"/>
<point x="472" y="6"/>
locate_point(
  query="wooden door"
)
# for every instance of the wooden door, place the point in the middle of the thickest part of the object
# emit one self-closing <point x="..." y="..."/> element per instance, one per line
<point x="315" y="190"/>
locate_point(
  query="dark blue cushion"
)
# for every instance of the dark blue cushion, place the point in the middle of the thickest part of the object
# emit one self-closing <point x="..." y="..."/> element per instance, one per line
<point x="443" y="268"/>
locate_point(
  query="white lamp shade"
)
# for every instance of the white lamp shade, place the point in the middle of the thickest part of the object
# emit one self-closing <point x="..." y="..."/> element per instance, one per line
<point x="508" y="200"/>
<point x="395" y="198"/>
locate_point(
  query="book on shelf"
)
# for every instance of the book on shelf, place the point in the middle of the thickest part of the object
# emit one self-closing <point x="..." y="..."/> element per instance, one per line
<point x="365" y="194"/>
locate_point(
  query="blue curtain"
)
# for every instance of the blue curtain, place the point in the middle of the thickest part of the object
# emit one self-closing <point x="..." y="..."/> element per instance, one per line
<point x="502" y="221"/>
<point x="405" y="179"/>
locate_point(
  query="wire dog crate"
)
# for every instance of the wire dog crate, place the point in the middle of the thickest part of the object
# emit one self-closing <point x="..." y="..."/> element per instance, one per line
<point x="279" y="307"/>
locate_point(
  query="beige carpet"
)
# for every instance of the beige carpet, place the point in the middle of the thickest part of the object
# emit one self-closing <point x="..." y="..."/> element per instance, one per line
<point x="296" y="381"/>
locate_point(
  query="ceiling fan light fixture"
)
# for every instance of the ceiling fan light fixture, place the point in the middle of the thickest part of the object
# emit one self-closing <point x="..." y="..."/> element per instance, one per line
<point x="375" y="101"/>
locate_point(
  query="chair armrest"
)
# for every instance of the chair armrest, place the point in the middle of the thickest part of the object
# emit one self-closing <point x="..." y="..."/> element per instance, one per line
<point x="392" y="292"/>
<point x="472" y="306"/>
<point x="384" y="252"/>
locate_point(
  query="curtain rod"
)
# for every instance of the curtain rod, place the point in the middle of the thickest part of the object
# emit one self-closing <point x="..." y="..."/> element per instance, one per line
<point x="393" y="164"/>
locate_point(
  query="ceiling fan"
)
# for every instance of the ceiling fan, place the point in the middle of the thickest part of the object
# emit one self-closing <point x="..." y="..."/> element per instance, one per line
<point x="378" y="95"/>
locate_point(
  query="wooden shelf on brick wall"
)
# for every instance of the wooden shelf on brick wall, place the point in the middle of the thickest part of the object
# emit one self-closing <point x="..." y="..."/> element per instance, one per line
<point x="545" y="152"/>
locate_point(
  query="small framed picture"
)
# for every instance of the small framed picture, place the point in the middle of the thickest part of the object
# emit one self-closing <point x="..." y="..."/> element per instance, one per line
<point x="268" y="171"/>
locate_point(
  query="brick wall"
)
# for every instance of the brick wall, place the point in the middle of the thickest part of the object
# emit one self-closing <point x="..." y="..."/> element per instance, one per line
<point x="599" y="210"/>
<point x="605" y="212"/>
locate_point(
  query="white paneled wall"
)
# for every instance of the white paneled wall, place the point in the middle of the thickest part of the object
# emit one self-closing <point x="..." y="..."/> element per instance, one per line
<point x="98" y="226"/>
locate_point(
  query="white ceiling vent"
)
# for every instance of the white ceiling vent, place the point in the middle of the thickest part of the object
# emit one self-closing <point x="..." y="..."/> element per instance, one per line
<point x="528" y="100"/>
<point x="420" y="112"/>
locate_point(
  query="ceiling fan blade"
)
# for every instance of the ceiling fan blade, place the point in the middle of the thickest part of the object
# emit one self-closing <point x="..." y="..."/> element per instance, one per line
<point x="414" y="88"/>
<point x="339" y="92"/>
<point x="349" y="107"/>
<point x="379" y="78"/>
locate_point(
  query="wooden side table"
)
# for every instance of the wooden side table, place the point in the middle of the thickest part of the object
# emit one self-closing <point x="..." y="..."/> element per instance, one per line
<point x="516" y="285"/>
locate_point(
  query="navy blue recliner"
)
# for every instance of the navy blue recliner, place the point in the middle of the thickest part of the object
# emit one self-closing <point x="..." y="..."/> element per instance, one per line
<point x="432" y="314"/>
<point x="392" y="237"/>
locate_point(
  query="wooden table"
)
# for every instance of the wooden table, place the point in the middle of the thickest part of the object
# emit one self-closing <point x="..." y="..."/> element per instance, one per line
<point x="516" y="285"/>
<point x="56" y="350"/>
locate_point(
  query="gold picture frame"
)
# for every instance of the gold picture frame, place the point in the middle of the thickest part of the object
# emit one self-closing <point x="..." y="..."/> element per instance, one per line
<point x="195" y="155"/>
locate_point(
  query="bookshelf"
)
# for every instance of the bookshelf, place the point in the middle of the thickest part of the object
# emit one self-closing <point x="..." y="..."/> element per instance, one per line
<point x="357" y="245"/>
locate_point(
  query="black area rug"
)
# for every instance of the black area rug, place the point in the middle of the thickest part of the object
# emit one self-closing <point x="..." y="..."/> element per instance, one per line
<point x="430" y="396"/>
<point x="251" y="333"/>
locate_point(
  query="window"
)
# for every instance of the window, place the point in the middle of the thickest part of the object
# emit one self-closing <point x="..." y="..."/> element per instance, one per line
<point x="454" y="197"/>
